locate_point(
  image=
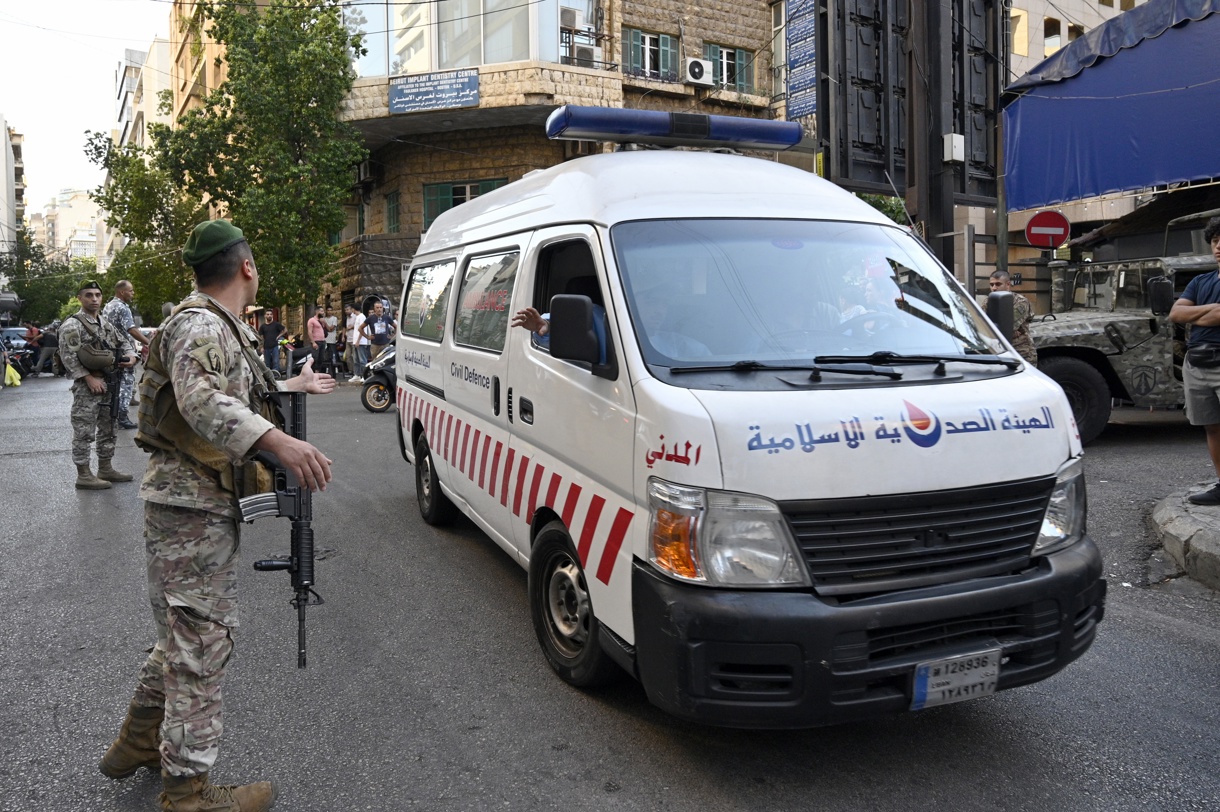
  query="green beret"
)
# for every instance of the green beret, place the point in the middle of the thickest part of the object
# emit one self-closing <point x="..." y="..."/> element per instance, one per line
<point x="88" y="284"/>
<point x="208" y="239"/>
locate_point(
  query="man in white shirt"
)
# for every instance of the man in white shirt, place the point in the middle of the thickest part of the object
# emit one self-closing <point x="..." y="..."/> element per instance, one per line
<point x="356" y="355"/>
<point x="331" y="322"/>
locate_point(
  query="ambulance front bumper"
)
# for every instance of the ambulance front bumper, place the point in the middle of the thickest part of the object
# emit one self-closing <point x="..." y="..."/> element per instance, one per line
<point x="767" y="659"/>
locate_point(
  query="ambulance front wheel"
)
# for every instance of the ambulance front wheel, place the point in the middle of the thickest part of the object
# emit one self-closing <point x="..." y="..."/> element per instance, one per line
<point x="562" y="612"/>
<point x="434" y="506"/>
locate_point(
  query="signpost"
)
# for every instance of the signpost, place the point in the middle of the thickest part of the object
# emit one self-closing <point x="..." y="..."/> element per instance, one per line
<point x="1047" y="229"/>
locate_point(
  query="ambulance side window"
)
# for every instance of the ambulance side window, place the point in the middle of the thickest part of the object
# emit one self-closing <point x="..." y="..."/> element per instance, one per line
<point x="427" y="301"/>
<point x="564" y="267"/>
<point x="482" y="313"/>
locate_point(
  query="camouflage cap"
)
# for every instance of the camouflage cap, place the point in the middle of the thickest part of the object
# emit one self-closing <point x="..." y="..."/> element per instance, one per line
<point x="208" y="239"/>
<point x="88" y="284"/>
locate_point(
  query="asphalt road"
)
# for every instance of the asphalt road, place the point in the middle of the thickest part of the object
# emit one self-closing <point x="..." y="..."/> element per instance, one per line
<point x="426" y="689"/>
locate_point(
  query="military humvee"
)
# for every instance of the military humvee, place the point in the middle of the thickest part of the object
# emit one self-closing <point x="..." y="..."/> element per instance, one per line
<point x="1103" y="342"/>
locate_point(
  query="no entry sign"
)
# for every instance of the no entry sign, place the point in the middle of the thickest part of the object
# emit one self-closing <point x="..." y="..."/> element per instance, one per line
<point x="1047" y="229"/>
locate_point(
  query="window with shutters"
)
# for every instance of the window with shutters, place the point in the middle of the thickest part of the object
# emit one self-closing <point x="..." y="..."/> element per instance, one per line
<point x="392" y="222"/>
<point x="653" y="56"/>
<point x="441" y="197"/>
<point x="732" y="68"/>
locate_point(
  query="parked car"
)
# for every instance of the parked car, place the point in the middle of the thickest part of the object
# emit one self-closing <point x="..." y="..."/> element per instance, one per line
<point x="13" y="337"/>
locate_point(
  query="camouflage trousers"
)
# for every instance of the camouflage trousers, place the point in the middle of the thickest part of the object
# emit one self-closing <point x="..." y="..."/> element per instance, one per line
<point x="90" y="420"/>
<point x="127" y="380"/>
<point x="192" y="586"/>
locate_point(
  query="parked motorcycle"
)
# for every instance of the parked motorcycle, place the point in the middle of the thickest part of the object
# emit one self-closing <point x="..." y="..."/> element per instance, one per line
<point x="294" y="353"/>
<point x="380" y="381"/>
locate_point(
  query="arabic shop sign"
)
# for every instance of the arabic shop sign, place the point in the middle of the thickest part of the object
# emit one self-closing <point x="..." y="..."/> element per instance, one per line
<point x="434" y="91"/>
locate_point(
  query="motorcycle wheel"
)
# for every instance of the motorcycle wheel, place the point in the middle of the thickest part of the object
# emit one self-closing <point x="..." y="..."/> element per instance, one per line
<point x="376" y="396"/>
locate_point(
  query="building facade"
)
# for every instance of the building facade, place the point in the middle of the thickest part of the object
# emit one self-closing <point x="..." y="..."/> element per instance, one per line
<point x="12" y="185"/>
<point x="139" y="79"/>
<point x="452" y="98"/>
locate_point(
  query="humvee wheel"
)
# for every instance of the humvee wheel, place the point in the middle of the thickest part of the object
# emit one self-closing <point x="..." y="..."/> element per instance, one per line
<point x="1086" y="391"/>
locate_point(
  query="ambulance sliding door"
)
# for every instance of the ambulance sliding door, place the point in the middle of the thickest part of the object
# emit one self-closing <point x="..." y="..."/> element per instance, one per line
<point x="475" y="437"/>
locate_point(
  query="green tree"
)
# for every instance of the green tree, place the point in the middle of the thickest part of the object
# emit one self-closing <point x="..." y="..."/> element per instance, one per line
<point x="43" y="283"/>
<point x="891" y="207"/>
<point x="266" y="147"/>
<point x="143" y="202"/>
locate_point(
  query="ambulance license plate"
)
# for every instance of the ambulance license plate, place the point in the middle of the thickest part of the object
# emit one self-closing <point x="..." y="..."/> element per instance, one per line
<point x="953" y="679"/>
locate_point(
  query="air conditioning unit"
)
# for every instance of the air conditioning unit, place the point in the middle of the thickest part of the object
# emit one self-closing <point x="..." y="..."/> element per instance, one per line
<point x="699" y="72"/>
<point x="572" y="19"/>
<point x="586" y="56"/>
<point x="364" y="172"/>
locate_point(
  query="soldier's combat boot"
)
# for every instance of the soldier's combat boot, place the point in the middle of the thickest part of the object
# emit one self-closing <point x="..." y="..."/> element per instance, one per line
<point x="86" y="481"/>
<point x="137" y="744"/>
<point x="195" y="794"/>
<point x="105" y="470"/>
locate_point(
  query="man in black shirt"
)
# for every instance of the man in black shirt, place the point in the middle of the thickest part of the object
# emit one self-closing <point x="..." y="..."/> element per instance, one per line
<point x="271" y="331"/>
<point x="1199" y="307"/>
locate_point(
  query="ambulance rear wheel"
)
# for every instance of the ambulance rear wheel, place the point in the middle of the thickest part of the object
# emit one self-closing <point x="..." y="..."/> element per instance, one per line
<point x="434" y="506"/>
<point x="562" y="612"/>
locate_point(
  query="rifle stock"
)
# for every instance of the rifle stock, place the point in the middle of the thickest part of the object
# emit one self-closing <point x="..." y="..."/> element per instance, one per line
<point x="294" y="501"/>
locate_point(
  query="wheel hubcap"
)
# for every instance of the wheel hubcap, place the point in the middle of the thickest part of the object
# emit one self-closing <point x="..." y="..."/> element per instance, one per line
<point x="568" y="603"/>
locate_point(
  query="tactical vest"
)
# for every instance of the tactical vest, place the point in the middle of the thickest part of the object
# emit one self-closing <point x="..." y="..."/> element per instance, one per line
<point x="162" y="426"/>
<point x="95" y="353"/>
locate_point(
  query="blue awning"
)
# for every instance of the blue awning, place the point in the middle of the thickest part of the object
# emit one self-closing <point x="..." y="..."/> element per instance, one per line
<point x="1133" y="103"/>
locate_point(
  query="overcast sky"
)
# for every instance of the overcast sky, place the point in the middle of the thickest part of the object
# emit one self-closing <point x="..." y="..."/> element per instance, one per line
<point x="58" y="59"/>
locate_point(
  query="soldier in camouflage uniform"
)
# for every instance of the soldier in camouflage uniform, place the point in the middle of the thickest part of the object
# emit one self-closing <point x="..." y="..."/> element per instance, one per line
<point x="1022" y="315"/>
<point x="91" y="418"/>
<point x="118" y="312"/>
<point x="212" y="370"/>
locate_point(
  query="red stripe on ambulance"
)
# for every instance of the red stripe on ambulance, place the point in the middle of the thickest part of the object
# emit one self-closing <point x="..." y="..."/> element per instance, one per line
<point x="483" y="459"/>
<point x="569" y="507"/>
<point x="522" y="467"/>
<point x="508" y="470"/>
<point x="590" y="526"/>
<point x="618" y="531"/>
<point x="534" y="485"/>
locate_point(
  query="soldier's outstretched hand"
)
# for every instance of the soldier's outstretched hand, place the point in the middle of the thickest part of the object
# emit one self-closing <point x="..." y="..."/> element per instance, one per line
<point x="315" y="383"/>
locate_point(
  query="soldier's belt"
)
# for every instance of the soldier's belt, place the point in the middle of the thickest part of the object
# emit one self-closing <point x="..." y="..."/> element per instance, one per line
<point x="1204" y="356"/>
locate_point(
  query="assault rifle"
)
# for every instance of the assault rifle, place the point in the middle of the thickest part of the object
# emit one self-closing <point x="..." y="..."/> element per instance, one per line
<point x="295" y="501"/>
<point x="114" y="382"/>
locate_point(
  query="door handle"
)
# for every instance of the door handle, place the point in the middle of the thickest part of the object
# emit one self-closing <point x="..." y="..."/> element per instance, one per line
<point x="526" y="410"/>
<point x="495" y="395"/>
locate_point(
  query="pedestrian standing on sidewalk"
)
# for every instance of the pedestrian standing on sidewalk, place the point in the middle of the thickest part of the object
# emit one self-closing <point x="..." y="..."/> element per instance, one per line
<point x="316" y="331"/>
<point x="272" y="331"/>
<point x="378" y="328"/>
<point x="356" y="342"/>
<point x="205" y="358"/>
<point x="330" y="361"/>
<point x="85" y="339"/>
<point x="1199" y="307"/>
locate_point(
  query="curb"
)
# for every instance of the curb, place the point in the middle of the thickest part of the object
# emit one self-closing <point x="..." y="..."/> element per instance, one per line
<point x="1191" y="537"/>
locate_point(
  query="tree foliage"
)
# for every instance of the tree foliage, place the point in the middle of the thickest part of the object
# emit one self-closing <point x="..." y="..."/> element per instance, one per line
<point x="142" y="201"/>
<point x="43" y="283"/>
<point x="267" y="148"/>
<point x="891" y="207"/>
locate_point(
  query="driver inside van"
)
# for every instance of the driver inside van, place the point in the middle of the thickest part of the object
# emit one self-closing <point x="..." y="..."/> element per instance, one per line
<point x="539" y="324"/>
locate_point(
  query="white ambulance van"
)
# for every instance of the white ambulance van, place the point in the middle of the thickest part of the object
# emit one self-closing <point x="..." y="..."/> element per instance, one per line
<point x="766" y="454"/>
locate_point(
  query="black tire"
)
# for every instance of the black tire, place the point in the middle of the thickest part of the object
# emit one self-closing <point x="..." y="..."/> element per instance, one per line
<point x="434" y="506"/>
<point x="562" y="613"/>
<point x="1086" y="391"/>
<point x="376" y="396"/>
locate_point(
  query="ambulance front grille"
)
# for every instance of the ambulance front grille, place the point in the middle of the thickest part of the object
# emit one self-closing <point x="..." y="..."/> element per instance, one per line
<point x="877" y="544"/>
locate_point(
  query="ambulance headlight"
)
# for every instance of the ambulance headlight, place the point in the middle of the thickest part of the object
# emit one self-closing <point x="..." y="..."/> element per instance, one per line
<point x="1063" y="523"/>
<point x="721" y="539"/>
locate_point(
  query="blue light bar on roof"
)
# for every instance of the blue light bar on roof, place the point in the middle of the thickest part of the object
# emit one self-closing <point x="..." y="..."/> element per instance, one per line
<point x="669" y="129"/>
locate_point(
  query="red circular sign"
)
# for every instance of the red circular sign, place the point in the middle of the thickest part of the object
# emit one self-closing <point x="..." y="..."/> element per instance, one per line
<point x="1047" y="229"/>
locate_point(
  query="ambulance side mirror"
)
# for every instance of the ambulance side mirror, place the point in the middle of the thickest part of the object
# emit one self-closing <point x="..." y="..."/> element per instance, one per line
<point x="574" y="337"/>
<point x="999" y="310"/>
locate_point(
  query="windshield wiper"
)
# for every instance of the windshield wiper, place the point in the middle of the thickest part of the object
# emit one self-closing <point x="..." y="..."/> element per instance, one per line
<point x="887" y="357"/>
<point x="850" y="367"/>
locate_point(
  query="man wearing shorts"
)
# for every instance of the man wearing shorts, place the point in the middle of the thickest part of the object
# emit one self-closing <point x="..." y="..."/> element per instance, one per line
<point x="1199" y="307"/>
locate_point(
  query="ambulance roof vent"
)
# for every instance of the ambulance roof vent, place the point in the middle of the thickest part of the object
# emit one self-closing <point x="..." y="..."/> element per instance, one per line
<point x="669" y="129"/>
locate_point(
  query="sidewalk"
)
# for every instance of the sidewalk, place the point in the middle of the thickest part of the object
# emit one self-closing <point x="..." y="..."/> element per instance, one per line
<point x="1191" y="536"/>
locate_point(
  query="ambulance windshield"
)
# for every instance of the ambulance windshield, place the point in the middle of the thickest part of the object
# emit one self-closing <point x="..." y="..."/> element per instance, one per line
<point x="721" y="291"/>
